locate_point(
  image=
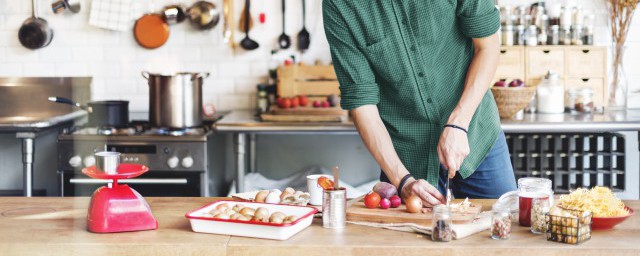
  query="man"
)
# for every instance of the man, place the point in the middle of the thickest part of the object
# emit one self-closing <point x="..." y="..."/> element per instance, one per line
<point x="414" y="75"/>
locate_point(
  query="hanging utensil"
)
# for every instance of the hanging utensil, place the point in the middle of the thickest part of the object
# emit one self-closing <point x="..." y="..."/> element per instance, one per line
<point x="284" y="41"/>
<point x="336" y="178"/>
<point x="247" y="43"/>
<point x="242" y="18"/>
<point x="203" y="15"/>
<point x="35" y="32"/>
<point x="173" y="14"/>
<point x="61" y="5"/>
<point x="151" y="31"/>
<point x="304" y="37"/>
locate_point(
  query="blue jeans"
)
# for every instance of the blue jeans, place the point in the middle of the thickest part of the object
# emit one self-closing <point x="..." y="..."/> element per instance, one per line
<point x="493" y="177"/>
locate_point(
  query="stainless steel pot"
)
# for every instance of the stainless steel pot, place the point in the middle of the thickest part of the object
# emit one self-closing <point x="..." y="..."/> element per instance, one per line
<point x="175" y="101"/>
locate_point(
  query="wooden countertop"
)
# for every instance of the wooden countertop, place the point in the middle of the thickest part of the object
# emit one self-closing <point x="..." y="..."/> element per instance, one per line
<point x="33" y="226"/>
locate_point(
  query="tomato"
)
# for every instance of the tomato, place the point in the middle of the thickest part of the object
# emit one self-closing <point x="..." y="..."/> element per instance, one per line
<point x="295" y="102"/>
<point x="325" y="104"/>
<point x="304" y="101"/>
<point x="325" y="183"/>
<point x="286" y="103"/>
<point x="372" y="200"/>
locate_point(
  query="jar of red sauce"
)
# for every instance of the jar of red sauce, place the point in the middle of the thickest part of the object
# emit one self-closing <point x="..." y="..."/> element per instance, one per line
<point x="528" y="189"/>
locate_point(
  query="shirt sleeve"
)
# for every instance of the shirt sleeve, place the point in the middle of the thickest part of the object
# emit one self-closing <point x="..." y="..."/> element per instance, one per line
<point x="478" y="18"/>
<point x="358" y="85"/>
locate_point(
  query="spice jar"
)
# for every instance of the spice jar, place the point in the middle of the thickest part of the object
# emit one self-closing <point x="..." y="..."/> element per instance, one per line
<point x="507" y="35"/>
<point x="550" y="94"/>
<point x="554" y="35"/>
<point x="441" y="224"/>
<point x="580" y="100"/>
<point x="500" y="222"/>
<point x="539" y="209"/>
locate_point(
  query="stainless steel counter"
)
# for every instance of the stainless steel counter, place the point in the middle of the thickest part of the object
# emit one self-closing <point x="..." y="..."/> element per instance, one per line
<point x="244" y="126"/>
<point x="245" y="121"/>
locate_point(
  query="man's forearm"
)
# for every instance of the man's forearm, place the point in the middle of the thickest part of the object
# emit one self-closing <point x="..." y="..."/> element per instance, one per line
<point x="376" y="138"/>
<point x="479" y="76"/>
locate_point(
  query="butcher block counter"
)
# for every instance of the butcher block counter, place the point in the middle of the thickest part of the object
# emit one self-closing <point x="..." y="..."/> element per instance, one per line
<point x="56" y="226"/>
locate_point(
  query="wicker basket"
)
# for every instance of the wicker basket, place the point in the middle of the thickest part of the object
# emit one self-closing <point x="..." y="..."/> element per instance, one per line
<point x="510" y="100"/>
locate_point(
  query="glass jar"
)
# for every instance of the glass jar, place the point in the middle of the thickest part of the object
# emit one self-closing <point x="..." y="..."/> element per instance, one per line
<point x="540" y="207"/>
<point x="580" y="100"/>
<point x="441" y="224"/>
<point x="263" y="103"/>
<point x="520" y="35"/>
<point x="500" y="222"/>
<point x="565" y="36"/>
<point x="566" y="17"/>
<point x="578" y="16"/>
<point x="554" y="35"/>
<point x="528" y="189"/>
<point x="532" y="36"/>
<point x="576" y="35"/>
<point x="550" y="94"/>
<point x="507" y="35"/>
<point x="587" y="35"/>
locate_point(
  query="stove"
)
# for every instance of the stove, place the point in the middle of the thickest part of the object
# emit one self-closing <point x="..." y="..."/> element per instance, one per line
<point x="177" y="158"/>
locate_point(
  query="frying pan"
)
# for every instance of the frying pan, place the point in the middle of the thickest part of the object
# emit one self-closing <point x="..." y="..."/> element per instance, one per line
<point x="35" y="32"/>
<point x="151" y="31"/>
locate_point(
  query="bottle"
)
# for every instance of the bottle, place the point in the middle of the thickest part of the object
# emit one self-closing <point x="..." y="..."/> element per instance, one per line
<point x="520" y="35"/>
<point x="576" y="35"/>
<point x="550" y="94"/>
<point x="500" y="222"/>
<point x="587" y="35"/>
<point x="565" y="36"/>
<point x="263" y="102"/>
<point x="441" y="224"/>
<point x="566" y="17"/>
<point x="578" y="16"/>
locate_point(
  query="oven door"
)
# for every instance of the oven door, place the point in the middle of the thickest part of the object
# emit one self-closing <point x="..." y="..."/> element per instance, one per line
<point x="169" y="184"/>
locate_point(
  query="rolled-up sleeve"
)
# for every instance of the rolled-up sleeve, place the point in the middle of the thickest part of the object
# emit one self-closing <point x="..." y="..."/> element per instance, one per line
<point x="358" y="85"/>
<point x="478" y="18"/>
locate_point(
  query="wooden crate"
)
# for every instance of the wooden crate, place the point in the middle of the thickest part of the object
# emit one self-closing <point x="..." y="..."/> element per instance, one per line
<point x="316" y="82"/>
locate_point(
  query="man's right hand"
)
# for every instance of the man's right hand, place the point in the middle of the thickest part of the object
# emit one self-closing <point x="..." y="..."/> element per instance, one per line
<point x="429" y="194"/>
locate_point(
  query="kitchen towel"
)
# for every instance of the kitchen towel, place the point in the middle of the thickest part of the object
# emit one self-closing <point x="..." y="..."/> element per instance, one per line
<point x="115" y="15"/>
<point x="481" y="223"/>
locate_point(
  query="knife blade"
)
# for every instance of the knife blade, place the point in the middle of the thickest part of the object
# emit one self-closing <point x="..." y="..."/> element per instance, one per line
<point x="448" y="191"/>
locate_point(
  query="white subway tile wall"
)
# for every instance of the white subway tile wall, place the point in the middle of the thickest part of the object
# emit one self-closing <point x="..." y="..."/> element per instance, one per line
<point x="115" y="60"/>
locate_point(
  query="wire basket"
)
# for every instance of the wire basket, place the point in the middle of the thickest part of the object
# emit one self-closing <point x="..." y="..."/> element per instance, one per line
<point x="510" y="100"/>
<point x="568" y="226"/>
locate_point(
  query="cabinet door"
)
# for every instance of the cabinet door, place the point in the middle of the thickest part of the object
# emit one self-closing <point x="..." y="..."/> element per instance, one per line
<point x="586" y="62"/>
<point x="511" y="63"/>
<point x="597" y="84"/>
<point x="541" y="59"/>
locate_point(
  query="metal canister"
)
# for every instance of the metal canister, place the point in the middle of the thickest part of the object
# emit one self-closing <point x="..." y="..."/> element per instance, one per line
<point x="334" y="208"/>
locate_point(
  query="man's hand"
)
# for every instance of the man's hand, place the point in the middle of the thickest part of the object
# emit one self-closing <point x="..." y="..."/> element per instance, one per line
<point x="453" y="148"/>
<point x="430" y="195"/>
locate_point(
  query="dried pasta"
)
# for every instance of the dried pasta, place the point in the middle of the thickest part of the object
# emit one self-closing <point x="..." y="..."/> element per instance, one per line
<point x="600" y="201"/>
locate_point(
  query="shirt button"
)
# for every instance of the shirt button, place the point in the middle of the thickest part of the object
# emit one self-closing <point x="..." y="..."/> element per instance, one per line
<point x="421" y="74"/>
<point x="429" y="100"/>
<point x="413" y="48"/>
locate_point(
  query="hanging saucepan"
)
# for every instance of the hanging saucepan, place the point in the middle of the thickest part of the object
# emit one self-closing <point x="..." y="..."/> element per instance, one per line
<point x="61" y="5"/>
<point x="151" y="31"/>
<point x="108" y="113"/>
<point x="35" y="32"/>
<point x="203" y="15"/>
<point x="173" y="14"/>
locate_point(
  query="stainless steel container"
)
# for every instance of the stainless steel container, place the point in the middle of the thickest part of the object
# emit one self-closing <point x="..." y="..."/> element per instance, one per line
<point x="107" y="161"/>
<point x="175" y="101"/>
<point x="334" y="208"/>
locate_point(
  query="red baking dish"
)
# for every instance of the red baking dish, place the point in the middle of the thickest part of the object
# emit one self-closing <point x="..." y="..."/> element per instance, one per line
<point x="202" y="223"/>
<point x="602" y="223"/>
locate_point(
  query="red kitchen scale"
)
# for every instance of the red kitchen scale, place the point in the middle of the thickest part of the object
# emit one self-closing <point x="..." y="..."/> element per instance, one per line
<point x="118" y="207"/>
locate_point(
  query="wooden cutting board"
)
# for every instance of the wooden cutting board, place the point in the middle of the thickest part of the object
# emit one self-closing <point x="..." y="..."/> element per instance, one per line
<point x="358" y="212"/>
<point x="306" y="111"/>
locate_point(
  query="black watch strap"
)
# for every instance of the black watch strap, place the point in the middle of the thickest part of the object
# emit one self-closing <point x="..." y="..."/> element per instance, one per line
<point x="402" y="182"/>
<point x="456" y="127"/>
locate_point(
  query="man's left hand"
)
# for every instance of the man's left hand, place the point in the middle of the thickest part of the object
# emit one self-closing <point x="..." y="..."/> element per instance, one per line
<point x="453" y="148"/>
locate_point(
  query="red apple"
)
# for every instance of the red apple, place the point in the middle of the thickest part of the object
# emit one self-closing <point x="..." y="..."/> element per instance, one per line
<point x="516" y="83"/>
<point x="500" y="84"/>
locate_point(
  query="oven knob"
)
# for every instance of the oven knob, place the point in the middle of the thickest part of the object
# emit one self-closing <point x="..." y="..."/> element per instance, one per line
<point x="75" y="161"/>
<point x="89" y="161"/>
<point x="187" y="162"/>
<point x="172" y="162"/>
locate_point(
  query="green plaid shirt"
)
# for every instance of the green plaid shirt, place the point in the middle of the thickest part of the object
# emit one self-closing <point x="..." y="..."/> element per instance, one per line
<point x="410" y="58"/>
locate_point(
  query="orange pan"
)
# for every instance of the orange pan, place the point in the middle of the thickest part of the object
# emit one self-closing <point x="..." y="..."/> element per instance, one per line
<point x="151" y="31"/>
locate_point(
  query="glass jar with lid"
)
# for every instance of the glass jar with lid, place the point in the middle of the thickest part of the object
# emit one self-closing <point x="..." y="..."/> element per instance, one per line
<point x="576" y="35"/>
<point x="580" y="100"/>
<point x="532" y="35"/>
<point x="554" y="35"/>
<point x="520" y="35"/>
<point x="565" y="36"/>
<point x="441" y="224"/>
<point x="528" y="189"/>
<point x="500" y="222"/>
<point x="550" y="94"/>
<point x="540" y="207"/>
<point x="508" y="35"/>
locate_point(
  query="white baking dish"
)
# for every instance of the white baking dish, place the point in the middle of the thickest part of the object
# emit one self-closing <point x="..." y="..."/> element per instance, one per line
<point x="200" y="222"/>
